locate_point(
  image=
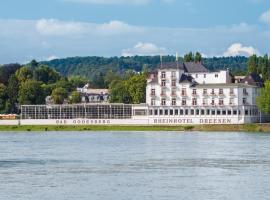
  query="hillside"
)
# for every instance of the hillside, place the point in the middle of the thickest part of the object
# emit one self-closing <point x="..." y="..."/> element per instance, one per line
<point x="90" y="67"/>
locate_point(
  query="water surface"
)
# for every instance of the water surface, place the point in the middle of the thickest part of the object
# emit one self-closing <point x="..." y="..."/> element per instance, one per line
<point x="134" y="165"/>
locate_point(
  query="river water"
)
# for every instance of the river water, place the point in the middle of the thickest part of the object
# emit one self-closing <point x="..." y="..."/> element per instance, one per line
<point x="134" y="165"/>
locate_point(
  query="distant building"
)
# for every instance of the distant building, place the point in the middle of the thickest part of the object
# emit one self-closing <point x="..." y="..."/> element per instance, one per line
<point x="90" y="95"/>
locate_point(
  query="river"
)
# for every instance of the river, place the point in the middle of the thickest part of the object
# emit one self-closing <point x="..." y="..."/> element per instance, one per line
<point x="134" y="165"/>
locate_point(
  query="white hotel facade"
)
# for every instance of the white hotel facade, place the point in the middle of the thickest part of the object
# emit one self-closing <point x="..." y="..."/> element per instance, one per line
<point x="176" y="94"/>
<point x="192" y="94"/>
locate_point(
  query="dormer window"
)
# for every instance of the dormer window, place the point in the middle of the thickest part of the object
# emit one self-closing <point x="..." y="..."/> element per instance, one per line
<point x="216" y="75"/>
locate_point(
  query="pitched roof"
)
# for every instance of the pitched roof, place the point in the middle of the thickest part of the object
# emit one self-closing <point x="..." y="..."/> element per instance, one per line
<point x="172" y="65"/>
<point x="189" y="67"/>
<point x="193" y="67"/>
<point x="186" y="79"/>
<point x="253" y="79"/>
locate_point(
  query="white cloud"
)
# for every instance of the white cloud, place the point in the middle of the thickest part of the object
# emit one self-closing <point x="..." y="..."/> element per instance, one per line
<point x="52" y="57"/>
<point x="146" y="49"/>
<point x="111" y="2"/>
<point x="237" y="49"/>
<point x="265" y="17"/>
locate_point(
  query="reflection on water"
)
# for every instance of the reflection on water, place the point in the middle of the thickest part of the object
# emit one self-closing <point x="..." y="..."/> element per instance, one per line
<point x="131" y="165"/>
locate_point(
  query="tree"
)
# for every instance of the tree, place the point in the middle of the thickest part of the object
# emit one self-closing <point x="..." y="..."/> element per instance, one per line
<point x="78" y="81"/>
<point x="253" y="64"/>
<point x="45" y="74"/>
<point x="264" y="98"/>
<point x="24" y="74"/>
<point x="59" y="95"/>
<point x="31" y="93"/>
<point x="136" y="87"/>
<point x="265" y="71"/>
<point x="75" y="97"/>
<point x="198" y="57"/>
<point x="2" y="97"/>
<point x="12" y="93"/>
<point x="6" y="71"/>
<point x="189" y="57"/>
<point x="64" y="83"/>
<point x="119" y="92"/>
<point x="111" y="76"/>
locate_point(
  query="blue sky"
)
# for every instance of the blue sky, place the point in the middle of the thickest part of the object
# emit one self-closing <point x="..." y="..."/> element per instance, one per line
<point x="60" y="28"/>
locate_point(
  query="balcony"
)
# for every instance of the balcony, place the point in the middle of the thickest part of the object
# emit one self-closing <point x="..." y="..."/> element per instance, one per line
<point x="194" y="94"/>
<point x="162" y="77"/>
<point x="232" y="104"/>
<point x="205" y="94"/>
<point x="213" y="94"/>
<point x="245" y="93"/>
<point x="232" y="94"/>
<point x="153" y="94"/>
<point x="221" y="94"/>
<point x="205" y="104"/>
<point x="173" y="94"/>
<point x="221" y="104"/>
<point x="173" y="86"/>
<point x="173" y="77"/>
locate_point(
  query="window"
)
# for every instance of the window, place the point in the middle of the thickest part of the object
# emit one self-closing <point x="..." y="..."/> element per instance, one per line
<point x="166" y="112"/>
<point x="218" y="112"/>
<point x="163" y="102"/>
<point x="163" y="92"/>
<point x="194" y="102"/>
<point x="205" y="91"/>
<point x="186" y="112"/>
<point x="216" y="75"/>
<point x="160" y="112"/>
<point x="191" y="112"/>
<point x="173" y="92"/>
<point x="163" y="74"/>
<point x="231" y="91"/>
<point x="223" y="112"/>
<point x="231" y="102"/>
<point x="173" y="74"/>
<point x="229" y="112"/>
<point x="245" y="91"/>
<point x="150" y="112"/>
<point x="204" y="76"/>
<point x="184" y="102"/>
<point x="246" y="112"/>
<point x="181" y="112"/>
<point x="173" y="102"/>
<point x="173" y="83"/>
<point x="207" y="112"/>
<point x="176" y="111"/>
<point x="153" y="92"/>
<point x="153" y="102"/>
<point x="213" y="112"/>
<point x="171" y="112"/>
<point x="156" y="112"/>
<point x="221" y="102"/>
<point x="220" y="91"/>
<point x="244" y="101"/>
<point x="213" y="101"/>
<point x="163" y="83"/>
<point x="204" y="102"/>
<point x="213" y="91"/>
<point x="184" y="92"/>
<point x="197" y="112"/>
<point x="234" y="112"/>
<point x="194" y="92"/>
<point x="202" y="112"/>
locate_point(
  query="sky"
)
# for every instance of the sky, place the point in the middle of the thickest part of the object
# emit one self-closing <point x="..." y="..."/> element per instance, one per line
<point x="49" y="29"/>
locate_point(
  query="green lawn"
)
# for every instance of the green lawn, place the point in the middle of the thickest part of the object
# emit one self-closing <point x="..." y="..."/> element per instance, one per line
<point x="229" y="128"/>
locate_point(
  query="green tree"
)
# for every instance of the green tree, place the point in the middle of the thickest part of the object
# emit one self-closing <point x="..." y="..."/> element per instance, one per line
<point x="46" y="74"/>
<point x="31" y="93"/>
<point x="189" y="57"/>
<point x="111" y="76"/>
<point x="75" y="97"/>
<point x="253" y="64"/>
<point x="78" y="81"/>
<point x="118" y="92"/>
<point x="265" y="71"/>
<point x="24" y="74"/>
<point x="136" y="86"/>
<point x="64" y="83"/>
<point x="13" y="94"/>
<point x="59" y="95"/>
<point x="264" y="98"/>
<point x="198" y="57"/>
<point x="3" y="97"/>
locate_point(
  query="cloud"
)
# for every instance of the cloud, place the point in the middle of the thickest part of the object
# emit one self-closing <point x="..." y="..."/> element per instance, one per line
<point x="237" y="49"/>
<point x="265" y="17"/>
<point x="146" y="49"/>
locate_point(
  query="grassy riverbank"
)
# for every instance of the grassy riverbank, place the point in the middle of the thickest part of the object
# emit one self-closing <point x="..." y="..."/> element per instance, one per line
<point x="210" y="128"/>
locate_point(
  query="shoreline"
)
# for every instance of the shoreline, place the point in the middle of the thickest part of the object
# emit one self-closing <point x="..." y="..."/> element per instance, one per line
<point x="204" y="128"/>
